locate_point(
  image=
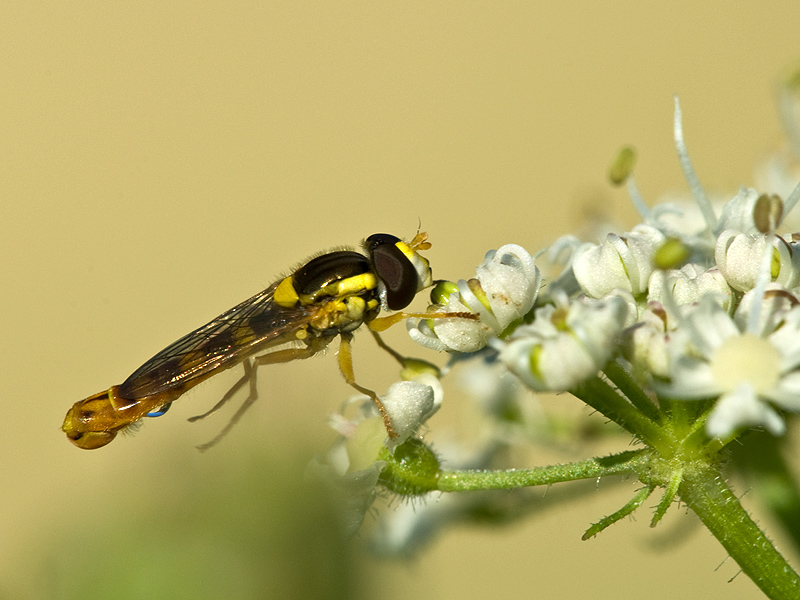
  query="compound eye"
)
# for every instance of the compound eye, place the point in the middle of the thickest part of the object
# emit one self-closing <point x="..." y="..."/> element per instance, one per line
<point x="379" y="239"/>
<point x="394" y="269"/>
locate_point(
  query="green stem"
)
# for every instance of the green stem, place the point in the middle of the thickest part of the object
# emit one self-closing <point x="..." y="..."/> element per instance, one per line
<point x="635" y="502"/>
<point x="759" y="457"/>
<point x="669" y="496"/>
<point x="607" y="401"/>
<point x="705" y="492"/>
<point x="462" y="481"/>
<point x="632" y="391"/>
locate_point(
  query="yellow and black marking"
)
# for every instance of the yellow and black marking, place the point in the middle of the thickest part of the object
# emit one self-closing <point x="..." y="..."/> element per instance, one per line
<point x="330" y="295"/>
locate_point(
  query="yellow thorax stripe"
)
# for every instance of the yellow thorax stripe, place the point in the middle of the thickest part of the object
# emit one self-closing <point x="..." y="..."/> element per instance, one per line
<point x="286" y="295"/>
<point x="354" y="284"/>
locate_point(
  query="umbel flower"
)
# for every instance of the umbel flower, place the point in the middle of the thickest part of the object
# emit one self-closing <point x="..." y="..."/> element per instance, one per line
<point x="751" y="374"/>
<point x="684" y="331"/>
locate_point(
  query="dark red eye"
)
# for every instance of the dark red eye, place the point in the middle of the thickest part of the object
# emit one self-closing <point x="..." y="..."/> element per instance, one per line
<point x="393" y="268"/>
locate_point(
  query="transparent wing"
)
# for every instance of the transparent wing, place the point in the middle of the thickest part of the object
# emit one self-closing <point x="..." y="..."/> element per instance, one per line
<point x="252" y="326"/>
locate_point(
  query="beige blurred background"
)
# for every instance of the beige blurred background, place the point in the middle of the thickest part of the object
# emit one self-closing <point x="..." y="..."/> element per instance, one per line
<point x="160" y="162"/>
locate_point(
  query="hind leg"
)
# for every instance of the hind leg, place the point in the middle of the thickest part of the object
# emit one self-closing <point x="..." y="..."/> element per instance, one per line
<point x="251" y="377"/>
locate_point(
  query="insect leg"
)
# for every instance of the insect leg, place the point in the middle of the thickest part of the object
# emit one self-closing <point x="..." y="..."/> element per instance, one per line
<point x="250" y="376"/>
<point x="248" y="373"/>
<point x="346" y="367"/>
<point x="395" y="354"/>
<point x="383" y="323"/>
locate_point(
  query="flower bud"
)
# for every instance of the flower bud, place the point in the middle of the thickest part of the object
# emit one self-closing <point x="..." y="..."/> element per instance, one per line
<point x="563" y="347"/>
<point x="618" y="263"/>
<point x="502" y="292"/>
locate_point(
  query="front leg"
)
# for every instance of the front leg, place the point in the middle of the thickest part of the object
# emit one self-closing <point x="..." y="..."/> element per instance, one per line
<point x="346" y="367"/>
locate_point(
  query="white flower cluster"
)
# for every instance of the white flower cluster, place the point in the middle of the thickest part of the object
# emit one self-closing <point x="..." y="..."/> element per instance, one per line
<point x="698" y="303"/>
<point x="717" y="320"/>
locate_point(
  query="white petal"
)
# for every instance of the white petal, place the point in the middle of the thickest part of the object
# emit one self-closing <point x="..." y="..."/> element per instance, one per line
<point x="599" y="270"/>
<point x="642" y="243"/>
<point x="787" y="393"/>
<point x="692" y="379"/>
<point x="776" y="303"/>
<point x="737" y="214"/>
<point x="564" y="363"/>
<point x="462" y="335"/>
<point x="710" y="326"/>
<point x="739" y="257"/>
<point x="510" y="281"/>
<point x="598" y="325"/>
<point x="408" y="404"/>
<point x="421" y="333"/>
<point x="741" y="408"/>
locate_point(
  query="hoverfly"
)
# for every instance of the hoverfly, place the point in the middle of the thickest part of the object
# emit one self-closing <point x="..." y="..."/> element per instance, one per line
<point x="330" y="295"/>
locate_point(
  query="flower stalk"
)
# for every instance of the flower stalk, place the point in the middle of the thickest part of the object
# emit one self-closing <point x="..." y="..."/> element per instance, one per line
<point x="624" y="463"/>
<point x="706" y="493"/>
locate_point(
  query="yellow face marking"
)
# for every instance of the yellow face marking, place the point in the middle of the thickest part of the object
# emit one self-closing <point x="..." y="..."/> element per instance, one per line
<point x="420" y="263"/>
<point x="285" y="294"/>
<point x="403" y="247"/>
